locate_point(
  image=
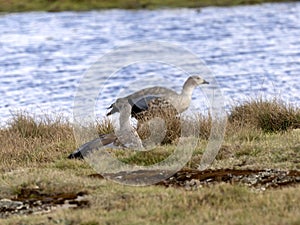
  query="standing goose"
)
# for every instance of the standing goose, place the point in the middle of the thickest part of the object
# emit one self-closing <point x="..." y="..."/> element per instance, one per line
<point x="125" y="137"/>
<point x="151" y="99"/>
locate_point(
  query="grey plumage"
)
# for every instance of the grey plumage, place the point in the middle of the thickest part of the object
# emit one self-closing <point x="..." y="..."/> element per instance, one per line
<point x="144" y="99"/>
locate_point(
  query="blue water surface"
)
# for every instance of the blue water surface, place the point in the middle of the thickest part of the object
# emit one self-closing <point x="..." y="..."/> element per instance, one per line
<point x="252" y="50"/>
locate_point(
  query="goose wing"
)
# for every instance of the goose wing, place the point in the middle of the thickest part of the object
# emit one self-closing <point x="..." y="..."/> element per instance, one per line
<point x="83" y="150"/>
<point x="140" y="100"/>
<point x="138" y="105"/>
<point x="141" y="104"/>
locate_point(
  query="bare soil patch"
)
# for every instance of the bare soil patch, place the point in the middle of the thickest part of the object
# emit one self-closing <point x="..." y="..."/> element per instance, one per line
<point x="34" y="201"/>
<point x="193" y="179"/>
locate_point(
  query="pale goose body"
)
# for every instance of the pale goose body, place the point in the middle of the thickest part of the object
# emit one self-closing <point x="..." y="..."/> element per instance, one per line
<point x="151" y="99"/>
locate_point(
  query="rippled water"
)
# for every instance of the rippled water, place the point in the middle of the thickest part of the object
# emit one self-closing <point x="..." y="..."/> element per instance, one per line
<point x="252" y="50"/>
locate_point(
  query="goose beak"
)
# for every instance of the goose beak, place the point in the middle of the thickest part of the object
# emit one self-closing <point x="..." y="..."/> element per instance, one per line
<point x="110" y="106"/>
<point x="205" y="82"/>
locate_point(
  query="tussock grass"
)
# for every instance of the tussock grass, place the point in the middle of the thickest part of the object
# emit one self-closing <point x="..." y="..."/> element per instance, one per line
<point x="29" y="140"/>
<point x="203" y="126"/>
<point x="44" y="127"/>
<point x="267" y="115"/>
<point x="104" y="126"/>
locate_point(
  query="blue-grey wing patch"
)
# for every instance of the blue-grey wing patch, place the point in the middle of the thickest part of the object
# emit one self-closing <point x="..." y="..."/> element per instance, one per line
<point x="95" y="144"/>
<point x="85" y="149"/>
<point x="138" y="105"/>
<point x="141" y="104"/>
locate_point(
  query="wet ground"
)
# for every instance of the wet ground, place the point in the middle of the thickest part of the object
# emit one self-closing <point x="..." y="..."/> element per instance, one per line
<point x="258" y="179"/>
<point x="35" y="201"/>
<point x="193" y="179"/>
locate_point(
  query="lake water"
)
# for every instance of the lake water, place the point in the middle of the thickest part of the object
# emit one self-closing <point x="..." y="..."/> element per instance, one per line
<point x="252" y="50"/>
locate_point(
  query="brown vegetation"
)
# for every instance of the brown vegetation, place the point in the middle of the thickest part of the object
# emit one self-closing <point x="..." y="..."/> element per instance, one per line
<point x="32" y="140"/>
<point x="28" y="140"/>
<point x="269" y="116"/>
<point x="261" y="142"/>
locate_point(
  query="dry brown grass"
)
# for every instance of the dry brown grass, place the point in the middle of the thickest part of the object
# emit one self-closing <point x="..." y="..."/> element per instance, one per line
<point x="104" y="126"/>
<point x="249" y="119"/>
<point x="169" y="126"/>
<point x="28" y="140"/>
<point x="173" y="127"/>
<point x="267" y="115"/>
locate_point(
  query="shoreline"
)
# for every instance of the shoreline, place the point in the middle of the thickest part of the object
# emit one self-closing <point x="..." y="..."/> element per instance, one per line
<point x="87" y="5"/>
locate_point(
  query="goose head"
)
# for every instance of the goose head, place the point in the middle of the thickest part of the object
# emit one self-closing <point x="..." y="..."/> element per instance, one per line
<point x="196" y="81"/>
<point x="191" y="83"/>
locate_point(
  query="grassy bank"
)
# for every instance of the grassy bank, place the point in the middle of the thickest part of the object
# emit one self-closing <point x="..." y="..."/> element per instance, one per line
<point x="83" y="5"/>
<point x="260" y="135"/>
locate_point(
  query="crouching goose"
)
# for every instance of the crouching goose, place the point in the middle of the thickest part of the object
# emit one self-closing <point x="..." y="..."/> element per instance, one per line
<point x="125" y="137"/>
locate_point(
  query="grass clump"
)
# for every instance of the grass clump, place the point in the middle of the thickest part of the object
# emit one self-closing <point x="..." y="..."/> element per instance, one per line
<point x="45" y="127"/>
<point x="267" y="115"/>
<point x="104" y="126"/>
<point x="28" y="140"/>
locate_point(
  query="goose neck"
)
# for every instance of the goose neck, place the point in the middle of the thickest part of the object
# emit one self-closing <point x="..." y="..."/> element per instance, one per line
<point x="187" y="89"/>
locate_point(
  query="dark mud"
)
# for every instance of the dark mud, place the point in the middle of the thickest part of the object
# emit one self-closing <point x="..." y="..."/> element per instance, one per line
<point x="258" y="179"/>
<point x="193" y="179"/>
<point x="34" y="201"/>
